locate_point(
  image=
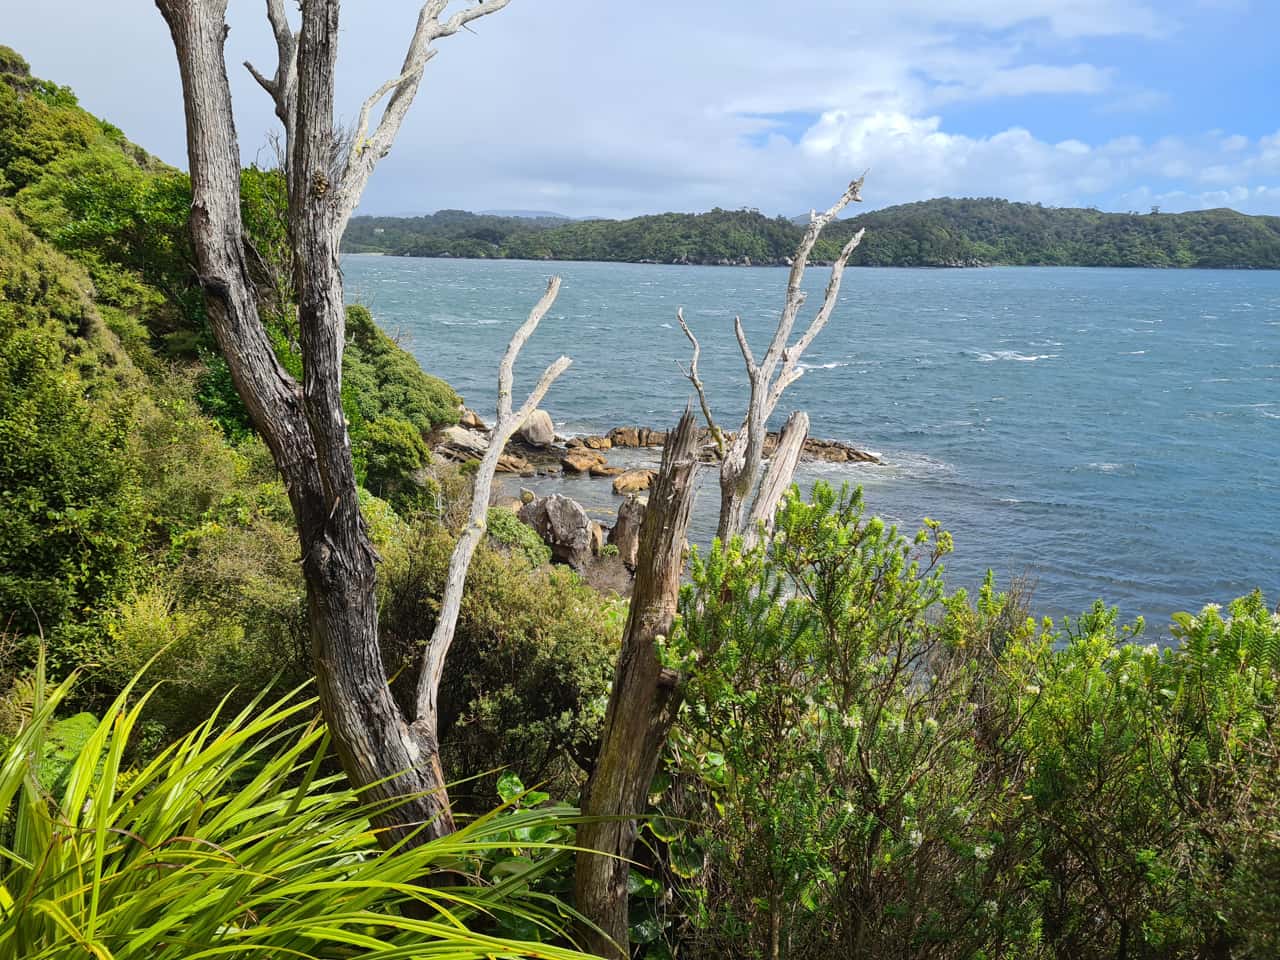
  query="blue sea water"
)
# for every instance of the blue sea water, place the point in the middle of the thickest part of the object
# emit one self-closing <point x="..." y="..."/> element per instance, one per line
<point x="1109" y="433"/>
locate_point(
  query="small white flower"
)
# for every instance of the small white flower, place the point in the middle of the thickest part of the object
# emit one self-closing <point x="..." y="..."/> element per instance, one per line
<point x="915" y="838"/>
<point x="983" y="851"/>
<point x="1032" y="688"/>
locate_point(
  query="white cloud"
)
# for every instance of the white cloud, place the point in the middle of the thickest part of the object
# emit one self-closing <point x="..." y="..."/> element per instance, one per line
<point x="593" y="107"/>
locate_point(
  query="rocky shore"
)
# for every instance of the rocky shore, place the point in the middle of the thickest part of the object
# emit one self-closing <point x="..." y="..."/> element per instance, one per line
<point x="538" y="451"/>
<point x="603" y="552"/>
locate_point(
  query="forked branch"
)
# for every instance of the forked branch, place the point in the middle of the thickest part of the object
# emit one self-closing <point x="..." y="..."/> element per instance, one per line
<point x="507" y="424"/>
<point x="768" y="378"/>
<point x="368" y="148"/>
<point x="691" y="374"/>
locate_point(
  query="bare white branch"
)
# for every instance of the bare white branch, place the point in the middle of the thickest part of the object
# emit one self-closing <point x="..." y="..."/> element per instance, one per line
<point x="283" y="88"/>
<point x="791" y="369"/>
<point x="742" y="462"/>
<point x="508" y="423"/>
<point x="691" y="374"/>
<point x="365" y="153"/>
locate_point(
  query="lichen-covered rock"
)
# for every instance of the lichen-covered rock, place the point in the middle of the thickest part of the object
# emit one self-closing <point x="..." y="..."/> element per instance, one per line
<point x="581" y="460"/>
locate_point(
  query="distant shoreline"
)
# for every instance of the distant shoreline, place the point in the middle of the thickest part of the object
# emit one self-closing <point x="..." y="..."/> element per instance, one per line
<point x="813" y="263"/>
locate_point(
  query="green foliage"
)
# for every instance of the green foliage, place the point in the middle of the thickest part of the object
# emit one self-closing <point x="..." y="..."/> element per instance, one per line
<point x="386" y="381"/>
<point x="230" y="843"/>
<point x="510" y="531"/>
<point x="69" y="499"/>
<point x="934" y="233"/>
<point x="865" y="765"/>
<point x="530" y="664"/>
<point x="393" y="453"/>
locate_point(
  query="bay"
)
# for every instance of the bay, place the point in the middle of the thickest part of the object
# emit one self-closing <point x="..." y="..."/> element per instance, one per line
<point x="1107" y="433"/>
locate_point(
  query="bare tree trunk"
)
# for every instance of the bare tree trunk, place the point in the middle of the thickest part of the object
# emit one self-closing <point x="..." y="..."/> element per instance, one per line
<point x="642" y="705"/>
<point x="385" y="757"/>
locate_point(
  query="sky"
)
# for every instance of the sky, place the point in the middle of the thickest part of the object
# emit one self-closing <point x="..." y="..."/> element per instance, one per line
<point x="616" y="108"/>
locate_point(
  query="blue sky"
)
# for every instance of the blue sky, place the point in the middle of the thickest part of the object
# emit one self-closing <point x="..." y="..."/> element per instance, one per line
<point x="605" y="107"/>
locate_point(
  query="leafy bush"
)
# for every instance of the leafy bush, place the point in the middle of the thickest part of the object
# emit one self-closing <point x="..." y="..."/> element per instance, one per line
<point x="529" y="668"/>
<point x="386" y="381"/>
<point x="510" y="531"/>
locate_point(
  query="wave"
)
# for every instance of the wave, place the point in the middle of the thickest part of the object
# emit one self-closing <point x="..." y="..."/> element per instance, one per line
<point x="823" y="366"/>
<point x="983" y="357"/>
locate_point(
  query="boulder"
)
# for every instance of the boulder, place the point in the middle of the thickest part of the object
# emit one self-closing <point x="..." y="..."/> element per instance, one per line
<point x="625" y="534"/>
<point x="581" y="460"/>
<point x="471" y="420"/>
<point x="633" y="481"/>
<point x="459" y="443"/>
<point x="563" y="526"/>
<point x="604" y="470"/>
<point x="527" y="495"/>
<point x="597" y="538"/>
<point x="624" y="437"/>
<point x="597" y="443"/>
<point x="514" y="463"/>
<point x="538" y="430"/>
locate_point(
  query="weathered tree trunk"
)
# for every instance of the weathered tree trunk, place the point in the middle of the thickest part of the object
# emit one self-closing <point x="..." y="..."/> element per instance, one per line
<point x="391" y="761"/>
<point x="642" y="704"/>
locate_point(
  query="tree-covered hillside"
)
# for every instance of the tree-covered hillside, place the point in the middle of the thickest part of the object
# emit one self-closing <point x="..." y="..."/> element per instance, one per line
<point x="932" y="233"/>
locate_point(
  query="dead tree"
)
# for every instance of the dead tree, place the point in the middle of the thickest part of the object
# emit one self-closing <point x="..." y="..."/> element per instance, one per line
<point x="385" y="753"/>
<point x="642" y="704"/>
<point x="741" y="458"/>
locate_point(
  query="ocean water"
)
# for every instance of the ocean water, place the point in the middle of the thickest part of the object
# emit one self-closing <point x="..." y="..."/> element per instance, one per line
<point x="1107" y="433"/>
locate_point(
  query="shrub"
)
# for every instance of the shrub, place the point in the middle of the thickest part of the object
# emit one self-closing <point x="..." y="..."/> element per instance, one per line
<point x="508" y="530"/>
<point x="529" y="669"/>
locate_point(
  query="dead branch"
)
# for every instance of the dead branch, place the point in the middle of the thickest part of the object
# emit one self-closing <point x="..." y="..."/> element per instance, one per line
<point x="769" y="377"/>
<point x="365" y="153"/>
<point x="508" y="423"/>
<point x="777" y="477"/>
<point x="691" y="374"/>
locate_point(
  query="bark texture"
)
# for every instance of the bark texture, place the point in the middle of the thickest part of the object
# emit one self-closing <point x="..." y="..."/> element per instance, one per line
<point x="390" y="760"/>
<point x="642" y="704"/>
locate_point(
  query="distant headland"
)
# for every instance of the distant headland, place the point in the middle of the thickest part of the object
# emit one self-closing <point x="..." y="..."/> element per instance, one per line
<point x="934" y="233"/>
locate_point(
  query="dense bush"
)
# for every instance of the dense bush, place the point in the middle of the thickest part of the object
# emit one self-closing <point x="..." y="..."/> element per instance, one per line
<point x="529" y="667"/>
<point x="873" y="769"/>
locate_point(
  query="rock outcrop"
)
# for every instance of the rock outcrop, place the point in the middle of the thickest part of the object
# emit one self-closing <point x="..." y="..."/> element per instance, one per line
<point x="581" y="460"/>
<point x="633" y="481"/>
<point x="564" y="526"/>
<point x="625" y="534"/>
<point x="538" y="430"/>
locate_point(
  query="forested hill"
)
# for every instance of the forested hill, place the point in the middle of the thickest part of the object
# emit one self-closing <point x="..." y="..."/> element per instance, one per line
<point x="933" y="233"/>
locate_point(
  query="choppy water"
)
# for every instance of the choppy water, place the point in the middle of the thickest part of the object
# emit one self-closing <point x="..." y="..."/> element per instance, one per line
<point x="1111" y="433"/>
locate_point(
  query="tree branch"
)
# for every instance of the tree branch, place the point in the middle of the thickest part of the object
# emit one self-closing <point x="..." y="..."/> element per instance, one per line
<point x="508" y="423"/>
<point x="365" y="154"/>
<point x="777" y="478"/>
<point x="791" y="370"/>
<point x="283" y="88"/>
<point x="692" y="376"/>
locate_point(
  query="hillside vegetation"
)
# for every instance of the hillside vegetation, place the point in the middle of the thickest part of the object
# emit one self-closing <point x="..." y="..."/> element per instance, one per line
<point x="932" y="233"/>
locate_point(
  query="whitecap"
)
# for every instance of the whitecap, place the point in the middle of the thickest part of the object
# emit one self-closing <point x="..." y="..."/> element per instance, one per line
<point x="822" y="366"/>
<point x="1014" y="355"/>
